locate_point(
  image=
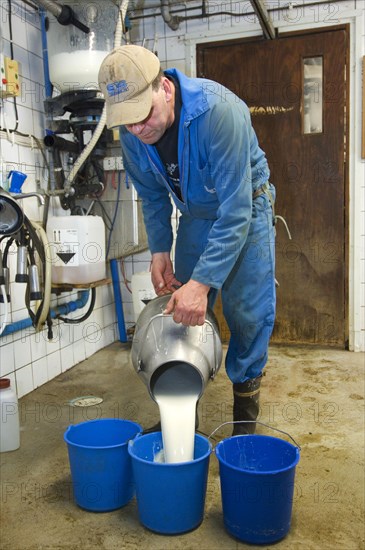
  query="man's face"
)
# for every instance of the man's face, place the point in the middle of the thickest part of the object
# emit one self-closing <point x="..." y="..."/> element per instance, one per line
<point x="160" y="117"/>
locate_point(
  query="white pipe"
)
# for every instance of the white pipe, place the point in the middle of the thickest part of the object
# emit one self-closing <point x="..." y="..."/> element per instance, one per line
<point x="172" y="21"/>
<point x="101" y="124"/>
<point x="120" y="25"/>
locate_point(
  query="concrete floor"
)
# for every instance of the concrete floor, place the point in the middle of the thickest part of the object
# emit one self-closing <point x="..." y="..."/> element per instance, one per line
<point x="317" y="395"/>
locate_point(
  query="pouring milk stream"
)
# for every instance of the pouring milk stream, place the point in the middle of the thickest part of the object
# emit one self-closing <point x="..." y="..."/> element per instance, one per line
<point x="176" y="392"/>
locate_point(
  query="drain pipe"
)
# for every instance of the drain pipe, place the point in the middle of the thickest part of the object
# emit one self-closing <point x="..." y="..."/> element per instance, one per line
<point x="173" y="21"/>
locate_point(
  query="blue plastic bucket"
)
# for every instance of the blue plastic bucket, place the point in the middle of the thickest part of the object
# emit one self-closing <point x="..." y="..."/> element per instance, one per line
<point x="257" y="485"/>
<point x="101" y="469"/>
<point x="170" y="497"/>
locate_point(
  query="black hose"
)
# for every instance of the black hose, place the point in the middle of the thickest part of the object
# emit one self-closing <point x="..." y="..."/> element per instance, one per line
<point x="53" y="141"/>
<point x="6" y="252"/>
<point x="64" y="14"/>
<point x="85" y="316"/>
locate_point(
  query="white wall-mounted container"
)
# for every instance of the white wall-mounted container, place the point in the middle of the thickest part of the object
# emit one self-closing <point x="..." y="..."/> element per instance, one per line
<point x="75" y="56"/>
<point x="76" y="249"/>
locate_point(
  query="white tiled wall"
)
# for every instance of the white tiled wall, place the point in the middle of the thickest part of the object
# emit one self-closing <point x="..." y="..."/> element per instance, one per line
<point x="30" y="359"/>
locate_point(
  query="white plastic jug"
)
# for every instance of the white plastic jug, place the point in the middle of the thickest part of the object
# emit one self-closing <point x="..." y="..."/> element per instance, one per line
<point x="9" y="411"/>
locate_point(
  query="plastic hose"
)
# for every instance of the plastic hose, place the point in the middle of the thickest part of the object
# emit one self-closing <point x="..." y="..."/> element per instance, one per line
<point x="86" y="315"/>
<point x="5" y="298"/>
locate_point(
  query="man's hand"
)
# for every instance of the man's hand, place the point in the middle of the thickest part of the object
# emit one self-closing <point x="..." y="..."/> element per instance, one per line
<point x="189" y="304"/>
<point x="162" y="274"/>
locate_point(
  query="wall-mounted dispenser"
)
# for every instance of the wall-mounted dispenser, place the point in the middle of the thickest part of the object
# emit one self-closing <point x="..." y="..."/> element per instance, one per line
<point x="75" y="56"/>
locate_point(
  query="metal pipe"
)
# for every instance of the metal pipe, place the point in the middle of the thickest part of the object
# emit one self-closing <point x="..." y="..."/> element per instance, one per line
<point x="173" y="21"/>
<point x="35" y="292"/>
<point x="51" y="6"/>
<point x="204" y="13"/>
<point x="64" y="14"/>
<point x="21" y="265"/>
<point x="264" y="19"/>
<point x="18" y="196"/>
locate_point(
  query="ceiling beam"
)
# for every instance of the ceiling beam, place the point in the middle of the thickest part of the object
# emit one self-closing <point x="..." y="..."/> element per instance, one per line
<point x="264" y="18"/>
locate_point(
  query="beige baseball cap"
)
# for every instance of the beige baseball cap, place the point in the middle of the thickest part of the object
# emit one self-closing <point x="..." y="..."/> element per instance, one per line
<point x="125" y="78"/>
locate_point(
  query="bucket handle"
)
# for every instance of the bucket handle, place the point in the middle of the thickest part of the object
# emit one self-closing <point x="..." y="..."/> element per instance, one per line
<point x="255" y="422"/>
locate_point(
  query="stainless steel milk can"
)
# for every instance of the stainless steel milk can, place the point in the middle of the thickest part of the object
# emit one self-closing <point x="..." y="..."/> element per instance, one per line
<point x="159" y="342"/>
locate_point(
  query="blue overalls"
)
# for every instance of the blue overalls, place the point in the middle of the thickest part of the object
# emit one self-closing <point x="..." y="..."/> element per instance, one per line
<point x="225" y="237"/>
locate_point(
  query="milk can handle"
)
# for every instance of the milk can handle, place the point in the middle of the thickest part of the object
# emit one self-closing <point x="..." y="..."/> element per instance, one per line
<point x="170" y="315"/>
<point x="255" y="422"/>
<point x="215" y="348"/>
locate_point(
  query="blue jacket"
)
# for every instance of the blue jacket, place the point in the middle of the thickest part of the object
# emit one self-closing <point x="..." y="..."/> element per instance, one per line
<point x="221" y="165"/>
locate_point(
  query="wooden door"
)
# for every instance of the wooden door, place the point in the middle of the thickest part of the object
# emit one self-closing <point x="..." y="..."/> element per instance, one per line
<point x="307" y="162"/>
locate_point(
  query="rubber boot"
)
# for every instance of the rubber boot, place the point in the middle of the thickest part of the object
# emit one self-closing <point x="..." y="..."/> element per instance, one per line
<point x="246" y="405"/>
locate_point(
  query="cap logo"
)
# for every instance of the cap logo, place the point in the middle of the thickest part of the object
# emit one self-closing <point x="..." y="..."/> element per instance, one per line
<point x="116" y="88"/>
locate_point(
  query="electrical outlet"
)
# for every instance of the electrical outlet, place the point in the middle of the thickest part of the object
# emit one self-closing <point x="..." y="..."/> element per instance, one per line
<point x="113" y="163"/>
<point x="10" y="82"/>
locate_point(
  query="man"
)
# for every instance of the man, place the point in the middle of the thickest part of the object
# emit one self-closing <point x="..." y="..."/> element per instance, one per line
<point x="191" y="140"/>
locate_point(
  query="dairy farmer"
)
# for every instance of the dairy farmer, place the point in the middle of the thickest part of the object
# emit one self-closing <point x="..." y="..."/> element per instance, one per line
<point x="191" y="139"/>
